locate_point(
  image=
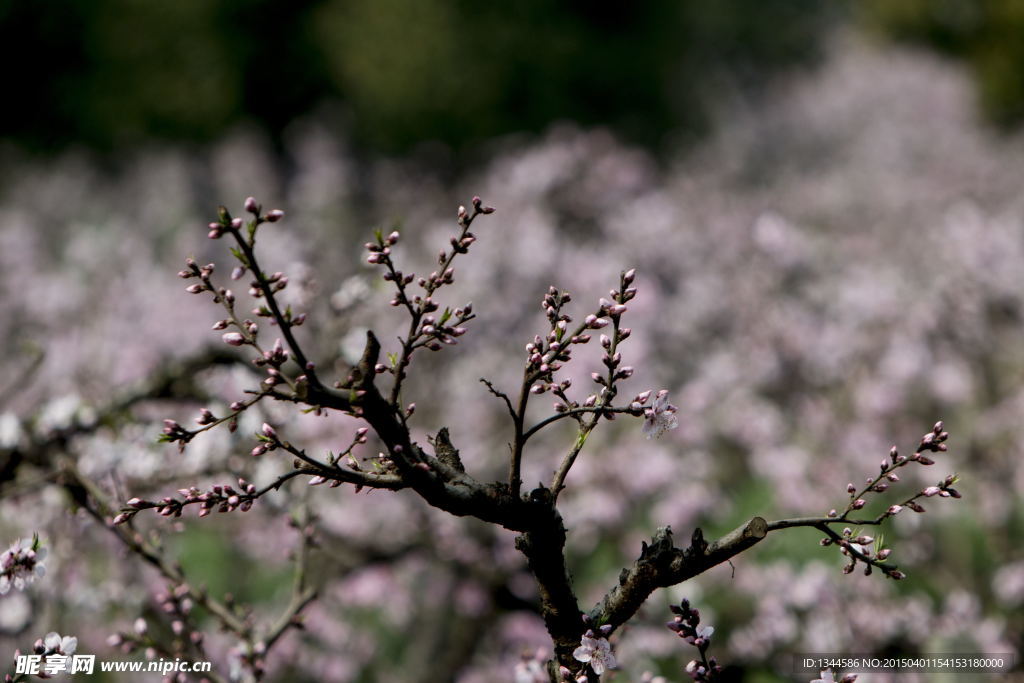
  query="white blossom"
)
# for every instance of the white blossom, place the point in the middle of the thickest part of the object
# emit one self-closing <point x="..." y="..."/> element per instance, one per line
<point x="65" y="645"/>
<point x="596" y="651"/>
<point x="660" y="417"/>
<point x="21" y="564"/>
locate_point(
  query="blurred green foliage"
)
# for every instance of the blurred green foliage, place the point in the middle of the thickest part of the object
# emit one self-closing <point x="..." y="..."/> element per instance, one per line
<point x="986" y="34"/>
<point x="106" y="73"/>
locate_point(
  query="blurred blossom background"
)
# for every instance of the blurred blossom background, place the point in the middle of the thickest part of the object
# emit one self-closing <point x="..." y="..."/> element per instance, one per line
<point x="822" y="201"/>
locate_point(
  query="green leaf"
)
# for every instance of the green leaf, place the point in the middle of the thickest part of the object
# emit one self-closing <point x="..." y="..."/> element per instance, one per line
<point x="237" y="253"/>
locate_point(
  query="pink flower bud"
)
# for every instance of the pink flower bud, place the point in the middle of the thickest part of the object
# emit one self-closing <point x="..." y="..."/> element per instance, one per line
<point x="268" y="431"/>
<point x="233" y="339"/>
<point x="250" y="205"/>
<point x="275" y="215"/>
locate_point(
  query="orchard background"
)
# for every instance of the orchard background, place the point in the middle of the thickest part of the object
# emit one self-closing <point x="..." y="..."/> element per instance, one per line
<point x="828" y="236"/>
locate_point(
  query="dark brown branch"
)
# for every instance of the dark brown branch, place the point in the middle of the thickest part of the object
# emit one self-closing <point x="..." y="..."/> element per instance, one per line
<point x="661" y="564"/>
<point x="544" y="548"/>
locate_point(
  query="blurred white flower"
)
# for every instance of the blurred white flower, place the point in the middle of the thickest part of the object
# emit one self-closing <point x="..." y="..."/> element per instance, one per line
<point x="531" y="668"/>
<point x="60" y="645"/>
<point x="21" y="564"/>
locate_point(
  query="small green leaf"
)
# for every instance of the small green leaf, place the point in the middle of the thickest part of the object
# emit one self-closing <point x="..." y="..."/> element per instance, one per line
<point x="237" y="253"/>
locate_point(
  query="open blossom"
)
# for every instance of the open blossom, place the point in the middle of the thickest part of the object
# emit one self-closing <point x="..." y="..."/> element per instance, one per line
<point x="659" y="417"/>
<point x="596" y="651"/>
<point x="55" y="644"/>
<point x="21" y="564"/>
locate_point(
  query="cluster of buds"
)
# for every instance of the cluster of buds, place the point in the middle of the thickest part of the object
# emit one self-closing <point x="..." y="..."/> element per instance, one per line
<point x="427" y="330"/>
<point x="379" y="464"/>
<point x="173" y="432"/>
<point x="224" y="497"/>
<point x="380" y="255"/>
<point x="203" y="273"/>
<point x="436" y="331"/>
<point x="859" y="547"/>
<point x="856" y="548"/>
<point x="546" y="355"/>
<point x="275" y="282"/>
<point x="360" y="437"/>
<point x="227" y="224"/>
<point x="246" y="331"/>
<point x="268" y="441"/>
<point x="610" y="357"/>
<point x="177" y="604"/>
<point x="205" y="284"/>
<point x="933" y="441"/>
<point x="272" y="359"/>
<point x="686" y="625"/>
<point x="21" y="564"/>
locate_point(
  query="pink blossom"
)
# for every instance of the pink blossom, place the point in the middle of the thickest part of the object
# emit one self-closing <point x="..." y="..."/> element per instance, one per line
<point x="660" y="417"/>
